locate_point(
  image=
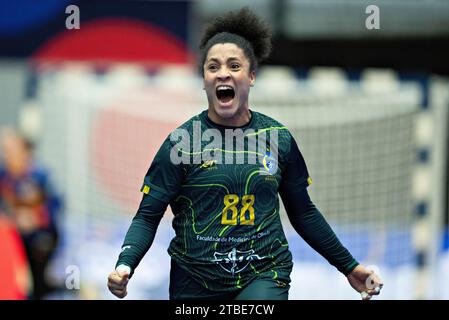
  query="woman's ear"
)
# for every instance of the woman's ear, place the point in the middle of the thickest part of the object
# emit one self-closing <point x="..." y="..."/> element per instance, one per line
<point x="252" y="78"/>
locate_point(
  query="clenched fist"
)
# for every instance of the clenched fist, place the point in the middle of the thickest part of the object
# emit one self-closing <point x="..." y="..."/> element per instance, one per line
<point x="118" y="280"/>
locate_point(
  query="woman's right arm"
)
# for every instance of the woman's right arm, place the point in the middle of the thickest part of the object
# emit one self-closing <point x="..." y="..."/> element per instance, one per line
<point x="160" y="186"/>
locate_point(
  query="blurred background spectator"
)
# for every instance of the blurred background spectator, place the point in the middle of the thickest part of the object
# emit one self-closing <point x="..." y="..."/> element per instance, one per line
<point x="28" y="200"/>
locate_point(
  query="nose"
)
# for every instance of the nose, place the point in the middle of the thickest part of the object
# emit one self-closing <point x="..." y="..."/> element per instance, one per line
<point x="223" y="74"/>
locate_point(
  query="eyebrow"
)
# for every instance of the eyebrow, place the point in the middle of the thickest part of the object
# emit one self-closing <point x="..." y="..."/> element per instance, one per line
<point x="217" y="60"/>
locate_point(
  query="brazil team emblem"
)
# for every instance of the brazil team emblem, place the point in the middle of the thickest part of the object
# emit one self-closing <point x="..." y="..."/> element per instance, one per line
<point x="269" y="164"/>
<point x="235" y="261"/>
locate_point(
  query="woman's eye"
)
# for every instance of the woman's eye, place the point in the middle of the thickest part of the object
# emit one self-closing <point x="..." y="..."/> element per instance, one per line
<point x="235" y="66"/>
<point x="212" y="67"/>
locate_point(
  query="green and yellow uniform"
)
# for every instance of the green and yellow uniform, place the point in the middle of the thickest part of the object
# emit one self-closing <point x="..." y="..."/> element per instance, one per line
<point x="226" y="210"/>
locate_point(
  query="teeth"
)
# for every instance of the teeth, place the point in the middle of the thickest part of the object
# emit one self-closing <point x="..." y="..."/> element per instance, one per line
<point x="225" y="88"/>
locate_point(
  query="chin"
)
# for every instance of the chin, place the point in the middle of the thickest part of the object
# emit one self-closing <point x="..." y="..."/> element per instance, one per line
<point x="226" y="113"/>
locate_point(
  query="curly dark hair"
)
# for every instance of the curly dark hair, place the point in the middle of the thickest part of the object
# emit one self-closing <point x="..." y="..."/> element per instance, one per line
<point x="242" y="28"/>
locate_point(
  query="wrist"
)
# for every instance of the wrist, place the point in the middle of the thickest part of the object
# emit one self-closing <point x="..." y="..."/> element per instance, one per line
<point x="123" y="268"/>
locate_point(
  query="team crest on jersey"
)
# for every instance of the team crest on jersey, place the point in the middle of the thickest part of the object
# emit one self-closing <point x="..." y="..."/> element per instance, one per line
<point x="235" y="261"/>
<point x="269" y="164"/>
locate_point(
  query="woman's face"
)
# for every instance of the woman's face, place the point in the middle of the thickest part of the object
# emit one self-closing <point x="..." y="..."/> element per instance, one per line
<point x="227" y="81"/>
<point x="15" y="154"/>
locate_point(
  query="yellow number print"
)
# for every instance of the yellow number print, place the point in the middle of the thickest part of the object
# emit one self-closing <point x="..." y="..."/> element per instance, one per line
<point x="247" y="202"/>
<point x="231" y="201"/>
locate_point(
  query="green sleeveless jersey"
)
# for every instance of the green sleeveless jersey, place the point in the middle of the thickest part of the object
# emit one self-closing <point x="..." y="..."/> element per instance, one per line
<point x="224" y="196"/>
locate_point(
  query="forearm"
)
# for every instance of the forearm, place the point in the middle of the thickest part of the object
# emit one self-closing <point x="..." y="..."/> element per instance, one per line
<point x="141" y="233"/>
<point x="314" y="229"/>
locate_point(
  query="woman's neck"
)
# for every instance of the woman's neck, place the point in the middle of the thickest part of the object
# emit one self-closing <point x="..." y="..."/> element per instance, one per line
<point x="238" y="120"/>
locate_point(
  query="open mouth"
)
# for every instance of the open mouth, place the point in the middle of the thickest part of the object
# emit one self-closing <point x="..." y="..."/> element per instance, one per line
<point x="225" y="93"/>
